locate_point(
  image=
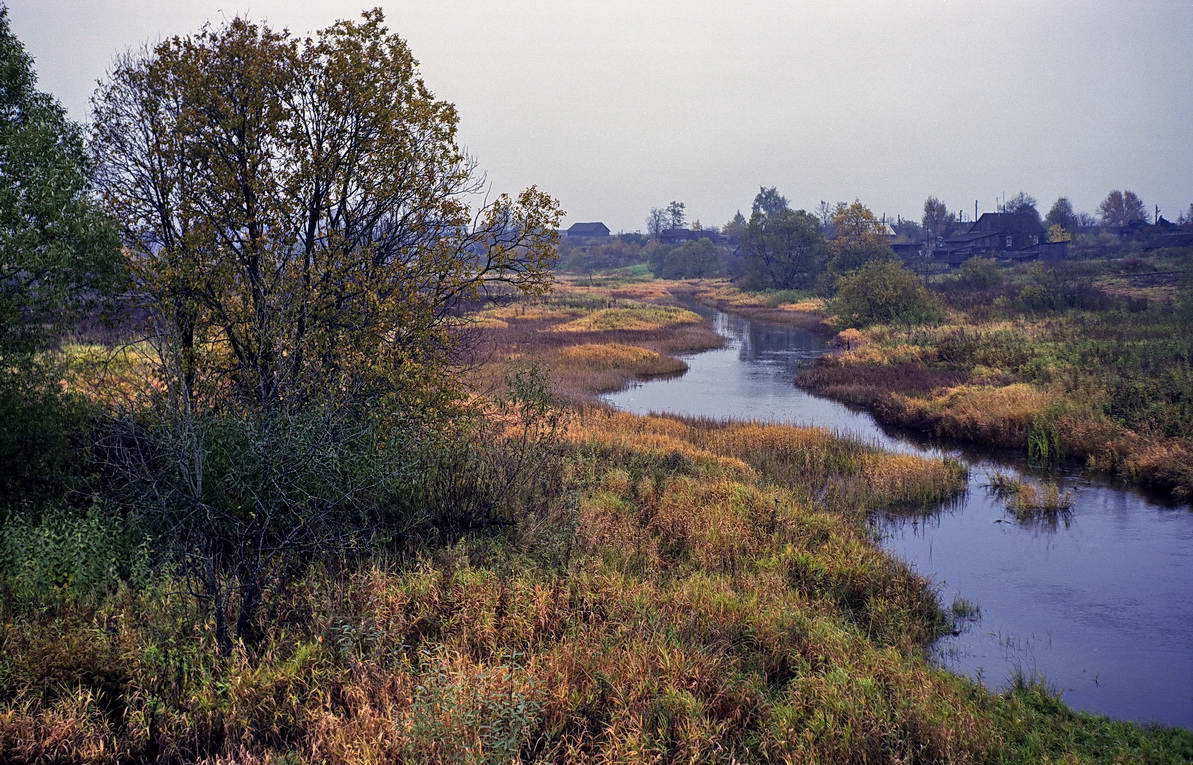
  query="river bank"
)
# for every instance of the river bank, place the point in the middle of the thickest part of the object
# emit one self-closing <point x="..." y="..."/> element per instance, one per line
<point x="657" y="431"/>
<point x="1015" y="387"/>
<point x="1027" y="586"/>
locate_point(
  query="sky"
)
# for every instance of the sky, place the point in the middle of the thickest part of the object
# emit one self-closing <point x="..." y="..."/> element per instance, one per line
<point x="617" y="106"/>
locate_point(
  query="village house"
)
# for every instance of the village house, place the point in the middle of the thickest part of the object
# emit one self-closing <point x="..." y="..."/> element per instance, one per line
<point x="1002" y="235"/>
<point x="594" y="230"/>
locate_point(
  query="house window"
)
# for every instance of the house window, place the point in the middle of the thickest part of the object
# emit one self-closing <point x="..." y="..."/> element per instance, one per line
<point x="1035" y="239"/>
<point x="1008" y="242"/>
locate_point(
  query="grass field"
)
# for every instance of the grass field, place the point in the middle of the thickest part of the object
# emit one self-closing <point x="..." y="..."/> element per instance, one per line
<point x="694" y="591"/>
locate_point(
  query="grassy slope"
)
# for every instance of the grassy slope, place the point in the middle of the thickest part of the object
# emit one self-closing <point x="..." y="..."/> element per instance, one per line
<point x="701" y="592"/>
<point x="1111" y="387"/>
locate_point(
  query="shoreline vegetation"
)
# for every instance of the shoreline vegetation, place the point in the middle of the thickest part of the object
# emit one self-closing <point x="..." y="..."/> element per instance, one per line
<point x="1047" y="388"/>
<point x="797" y="458"/>
<point x="692" y="590"/>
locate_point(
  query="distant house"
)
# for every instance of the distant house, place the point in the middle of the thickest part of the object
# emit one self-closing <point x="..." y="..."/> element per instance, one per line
<point x="905" y="247"/>
<point x="1133" y="229"/>
<point x="587" y="231"/>
<point x="1165" y="233"/>
<point x="1006" y="236"/>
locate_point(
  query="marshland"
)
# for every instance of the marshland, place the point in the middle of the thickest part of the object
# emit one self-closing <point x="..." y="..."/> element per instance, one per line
<point x="315" y="448"/>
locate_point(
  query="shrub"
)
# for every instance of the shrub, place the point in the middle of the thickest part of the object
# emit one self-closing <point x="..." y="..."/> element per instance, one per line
<point x="980" y="273"/>
<point x="44" y="433"/>
<point x="884" y="293"/>
<point x="700" y="259"/>
<point x="66" y="556"/>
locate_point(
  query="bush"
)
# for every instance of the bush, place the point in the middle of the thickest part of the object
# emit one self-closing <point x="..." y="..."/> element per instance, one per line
<point x="692" y="260"/>
<point x="884" y="293"/>
<point x="44" y="435"/>
<point x="980" y="273"/>
<point x="66" y="556"/>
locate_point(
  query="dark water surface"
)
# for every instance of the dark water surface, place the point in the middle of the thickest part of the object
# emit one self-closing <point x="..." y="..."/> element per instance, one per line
<point x="1100" y="606"/>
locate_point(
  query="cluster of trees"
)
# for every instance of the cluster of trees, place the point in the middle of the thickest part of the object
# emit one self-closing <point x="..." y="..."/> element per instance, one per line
<point x="674" y="215"/>
<point x="782" y="248"/>
<point x="287" y="218"/>
<point x="778" y="247"/>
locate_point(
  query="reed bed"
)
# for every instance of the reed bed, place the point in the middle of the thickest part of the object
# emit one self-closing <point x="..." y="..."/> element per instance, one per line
<point x="1028" y="501"/>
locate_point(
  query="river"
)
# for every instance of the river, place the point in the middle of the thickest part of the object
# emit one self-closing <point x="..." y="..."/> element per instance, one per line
<point x="1099" y="604"/>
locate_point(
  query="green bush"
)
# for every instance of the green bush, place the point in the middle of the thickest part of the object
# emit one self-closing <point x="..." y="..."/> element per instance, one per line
<point x="44" y="435"/>
<point x="980" y="273"/>
<point x="69" y="556"/>
<point x="884" y="293"/>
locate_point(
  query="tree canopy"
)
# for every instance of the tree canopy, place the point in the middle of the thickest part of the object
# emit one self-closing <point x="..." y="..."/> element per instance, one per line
<point x="1121" y="207"/>
<point x="1062" y="215"/>
<point x="295" y="211"/>
<point x="769" y="201"/>
<point x="58" y="255"/>
<point x="56" y="247"/>
<point x="859" y="238"/>
<point x="936" y="216"/>
<point x="783" y="248"/>
<point x="1022" y="204"/>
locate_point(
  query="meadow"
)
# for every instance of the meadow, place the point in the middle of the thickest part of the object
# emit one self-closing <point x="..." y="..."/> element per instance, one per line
<point x="659" y="590"/>
<point x="1058" y="367"/>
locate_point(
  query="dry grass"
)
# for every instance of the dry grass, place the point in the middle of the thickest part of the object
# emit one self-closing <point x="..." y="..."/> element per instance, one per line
<point x="785" y="307"/>
<point x="712" y="607"/>
<point x="700" y="592"/>
<point x="1027" y="501"/>
<point x="642" y="361"/>
<point x="633" y="319"/>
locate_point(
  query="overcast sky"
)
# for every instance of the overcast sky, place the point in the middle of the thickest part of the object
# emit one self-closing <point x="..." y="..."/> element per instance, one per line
<point x="615" y="106"/>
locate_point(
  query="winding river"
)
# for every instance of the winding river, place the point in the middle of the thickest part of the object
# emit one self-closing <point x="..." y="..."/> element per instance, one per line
<point x="1098" y="605"/>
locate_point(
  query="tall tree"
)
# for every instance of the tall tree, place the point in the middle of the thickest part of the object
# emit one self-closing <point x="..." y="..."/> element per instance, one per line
<point x="1122" y="207"/>
<point x="769" y="201"/>
<point x="783" y="249"/>
<point x="295" y="210"/>
<point x="1062" y="215"/>
<point x="56" y="247"/>
<point x="824" y="211"/>
<point x="57" y="254"/>
<point x="859" y="238"/>
<point x="1022" y="204"/>
<point x="296" y="218"/>
<point x="936" y="217"/>
<point x="676" y="217"/>
<point x="656" y="222"/>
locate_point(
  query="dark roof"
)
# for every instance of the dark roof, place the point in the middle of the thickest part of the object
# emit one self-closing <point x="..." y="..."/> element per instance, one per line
<point x="1007" y="223"/>
<point x="588" y="229"/>
<point x="971" y="236"/>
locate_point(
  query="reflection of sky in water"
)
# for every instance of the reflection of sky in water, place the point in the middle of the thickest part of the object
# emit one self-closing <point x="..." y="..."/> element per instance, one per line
<point x="1100" y="605"/>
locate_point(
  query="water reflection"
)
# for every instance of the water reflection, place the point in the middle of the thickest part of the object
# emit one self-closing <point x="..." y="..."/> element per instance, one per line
<point x="1098" y="602"/>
